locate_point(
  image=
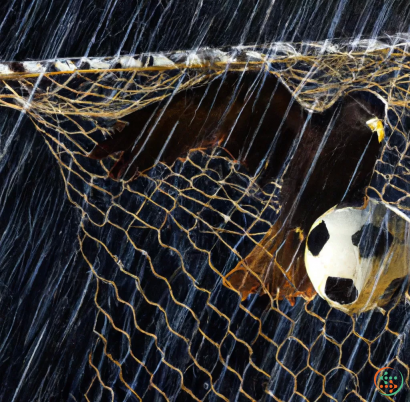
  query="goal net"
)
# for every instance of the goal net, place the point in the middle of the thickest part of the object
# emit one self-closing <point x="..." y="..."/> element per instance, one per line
<point x="161" y="243"/>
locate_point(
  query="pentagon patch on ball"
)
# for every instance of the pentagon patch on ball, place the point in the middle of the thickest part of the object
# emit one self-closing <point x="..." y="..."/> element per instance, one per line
<point x="318" y="238"/>
<point x="341" y="290"/>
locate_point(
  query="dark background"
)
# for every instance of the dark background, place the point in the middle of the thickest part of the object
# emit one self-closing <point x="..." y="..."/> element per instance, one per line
<point x="46" y="313"/>
<point x="39" y="29"/>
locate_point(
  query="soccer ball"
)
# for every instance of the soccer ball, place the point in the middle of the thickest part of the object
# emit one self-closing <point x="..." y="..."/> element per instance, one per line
<point x="357" y="258"/>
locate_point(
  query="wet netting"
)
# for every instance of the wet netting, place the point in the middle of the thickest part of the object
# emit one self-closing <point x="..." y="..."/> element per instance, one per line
<point x="161" y="242"/>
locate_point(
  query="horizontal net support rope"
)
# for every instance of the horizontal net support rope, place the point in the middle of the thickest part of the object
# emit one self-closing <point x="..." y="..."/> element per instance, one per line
<point x="316" y="73"/>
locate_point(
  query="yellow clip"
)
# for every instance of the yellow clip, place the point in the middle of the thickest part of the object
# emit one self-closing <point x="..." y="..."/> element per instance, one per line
<point x="376" y="125"/>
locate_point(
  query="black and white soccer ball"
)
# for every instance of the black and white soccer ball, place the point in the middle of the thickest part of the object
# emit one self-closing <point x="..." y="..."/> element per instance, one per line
<point x="356" y="258"/>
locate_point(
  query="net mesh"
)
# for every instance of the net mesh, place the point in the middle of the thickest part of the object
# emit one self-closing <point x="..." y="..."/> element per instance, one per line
<point x="169" y="326"/>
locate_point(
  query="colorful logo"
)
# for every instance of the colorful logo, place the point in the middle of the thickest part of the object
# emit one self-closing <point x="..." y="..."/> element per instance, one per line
<point x="388" y="381"/>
